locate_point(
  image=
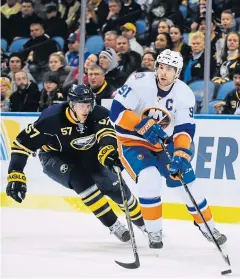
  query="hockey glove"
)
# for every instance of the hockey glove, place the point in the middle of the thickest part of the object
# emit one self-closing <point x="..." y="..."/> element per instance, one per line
<point x="180" y="161"/>
<point x="108" y="157"/>
<point x="151" y="131"/>
<point x="17" y="187"/>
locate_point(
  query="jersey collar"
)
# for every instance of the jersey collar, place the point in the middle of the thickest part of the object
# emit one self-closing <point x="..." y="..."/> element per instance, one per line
<point x="69" y="117"/>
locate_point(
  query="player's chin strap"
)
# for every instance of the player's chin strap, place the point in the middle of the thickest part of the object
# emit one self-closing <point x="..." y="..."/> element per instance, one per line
<point x="71" y="106"/>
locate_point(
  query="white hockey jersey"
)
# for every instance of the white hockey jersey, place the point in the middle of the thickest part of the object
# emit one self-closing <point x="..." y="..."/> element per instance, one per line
<point x="140" y="97"/>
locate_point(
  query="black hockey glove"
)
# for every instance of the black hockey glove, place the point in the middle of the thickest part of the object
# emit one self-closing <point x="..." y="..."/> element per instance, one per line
<point x="17" y="187"/>
<point x="108" y="157"/>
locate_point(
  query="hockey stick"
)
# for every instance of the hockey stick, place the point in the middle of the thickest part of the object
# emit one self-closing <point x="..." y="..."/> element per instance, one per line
<point x="225" y="256"/>
<point x="136" y="263"/>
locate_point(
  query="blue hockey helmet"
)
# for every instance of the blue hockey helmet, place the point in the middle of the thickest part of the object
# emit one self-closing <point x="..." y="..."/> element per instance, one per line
<point x="81" y="94"/>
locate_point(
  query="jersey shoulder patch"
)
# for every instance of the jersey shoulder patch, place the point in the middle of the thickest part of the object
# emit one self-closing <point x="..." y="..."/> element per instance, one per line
<point x="184" y="94"/>
<point x="139" y="75"/>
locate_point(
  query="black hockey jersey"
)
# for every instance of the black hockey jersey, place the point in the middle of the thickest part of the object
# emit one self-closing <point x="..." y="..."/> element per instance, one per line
<point x="57" y="132"/>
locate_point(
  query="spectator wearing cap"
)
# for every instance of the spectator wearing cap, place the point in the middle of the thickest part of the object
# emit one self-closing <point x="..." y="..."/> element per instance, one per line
<point x="108" y="60"/>
<point x="6" y="91"/>
<point x="57" y="64"/>
<point x="15" y="65"/>
<point x="52" y="92"/>
<point x="231" y="104"/>
<point x="26" y="97"/>
<point x="19" y="24"/>
<point x="11" y="7"/>
<point x="54" y="25"/>
<point x="129" y="60"/>
<point x="129" y="30"/>
<point x="98" y="83"/>
<point x="72" y="55"/>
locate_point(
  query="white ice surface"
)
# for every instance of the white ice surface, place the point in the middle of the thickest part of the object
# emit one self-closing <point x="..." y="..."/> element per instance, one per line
<point x="46" y="244"/>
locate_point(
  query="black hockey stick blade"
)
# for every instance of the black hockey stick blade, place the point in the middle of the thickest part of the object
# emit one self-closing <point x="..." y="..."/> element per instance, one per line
<point x="133" y="265"/>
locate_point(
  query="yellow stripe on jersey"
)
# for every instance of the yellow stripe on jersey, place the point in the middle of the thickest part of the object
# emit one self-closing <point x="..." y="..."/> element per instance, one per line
<point x="98" y="204"/>
<point x="20" y="152"/>
<point x="22" y="146"/>
<point x="104" y="131"/>
<point x="182" y="141"/>
<point x="129" y="120"/>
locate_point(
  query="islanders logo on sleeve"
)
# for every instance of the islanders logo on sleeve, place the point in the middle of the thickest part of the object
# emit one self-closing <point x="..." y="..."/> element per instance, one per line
<point x="161" y="116"/>
<point x="9" y="130"/>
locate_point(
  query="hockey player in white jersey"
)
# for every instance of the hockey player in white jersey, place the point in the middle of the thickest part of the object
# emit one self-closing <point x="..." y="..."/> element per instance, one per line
<point x="149" y="108"/>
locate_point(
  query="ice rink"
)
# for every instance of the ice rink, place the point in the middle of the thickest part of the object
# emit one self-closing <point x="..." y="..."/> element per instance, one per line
<point x="47" y="244"/>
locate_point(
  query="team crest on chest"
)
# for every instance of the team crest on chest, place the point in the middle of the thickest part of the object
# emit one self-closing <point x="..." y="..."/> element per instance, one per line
<point x="83" y="143"/>
<point x="161" y="116"/>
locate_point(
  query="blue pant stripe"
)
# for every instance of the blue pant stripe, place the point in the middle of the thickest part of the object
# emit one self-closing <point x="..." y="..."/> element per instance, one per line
<point x="150" y="200"/>
<point x="201" y="206"/>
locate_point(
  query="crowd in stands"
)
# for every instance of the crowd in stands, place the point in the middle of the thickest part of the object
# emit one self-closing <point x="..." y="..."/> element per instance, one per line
<point x="40" y="48"/>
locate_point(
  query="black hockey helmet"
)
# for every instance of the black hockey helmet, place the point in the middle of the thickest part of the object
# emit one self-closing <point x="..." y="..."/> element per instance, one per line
<point x="81" y="94"/>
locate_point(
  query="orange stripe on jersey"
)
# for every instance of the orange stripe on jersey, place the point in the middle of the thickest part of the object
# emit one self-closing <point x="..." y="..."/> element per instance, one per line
<point x="182" y="140"/>
<point x="207" y="214"/>
<point x="151" y="213"/>
<point x="132" y="142"/>
<point x="129" y="120"/>
<point x="126" y="164"/>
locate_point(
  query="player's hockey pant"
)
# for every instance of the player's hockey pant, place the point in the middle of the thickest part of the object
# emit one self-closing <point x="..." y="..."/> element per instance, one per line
<point x="92" y="186"/>
<point x="149" y="168"/>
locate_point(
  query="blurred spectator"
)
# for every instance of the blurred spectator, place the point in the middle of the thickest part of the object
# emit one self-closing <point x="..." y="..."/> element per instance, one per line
<point x="98" y="84"/>
<point x="6" y="92"/>
<point x="164" y="26"/>
<point x="236" y="10"/>
<point x="11" y="7"/>
<point x="4" y="61"/>
<point x="195" y="67"/>
<point x="121" y="12"/>
<point x="230" y="57"/>
<point x="15" y="65"/>
<point x="70" y="11"/>
<point x="5" y="34"/>
<point x="110" y="39"/>
<point x="227" y="20"/>
<point x="57" y="64"/>
<point x="54" y="25"/>
<point x="176" y="33"/>
<point x="26" y="97"/>
<point x="231" y="104"/>
<point x="161" y="9"/>
<point x="163" y="41"/>
<point x="108" y="60"/>
<point x="19" y="24"/>
<point x="37" y="50"/>
<point x="148" y="60"/>
<point x="129" y="30"/>
<point x="129" y="60"/>
<point x="51" y="93"/>
<point x="97" y="12"/>
<point x="132" y="10"/>
<point x="72" y="56"/>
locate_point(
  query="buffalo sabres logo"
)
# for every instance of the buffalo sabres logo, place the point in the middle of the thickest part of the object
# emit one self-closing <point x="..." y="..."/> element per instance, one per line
<point x="161" y="116"/>
<point x="83" y="143"/>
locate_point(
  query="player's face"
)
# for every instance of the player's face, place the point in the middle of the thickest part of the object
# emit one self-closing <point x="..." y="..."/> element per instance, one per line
<point x="82" y="110"/>
<point x="232" y="42"/>
<point x="166" y="74"/>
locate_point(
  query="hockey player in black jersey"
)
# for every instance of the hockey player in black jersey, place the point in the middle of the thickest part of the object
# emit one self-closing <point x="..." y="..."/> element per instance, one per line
<point x="78" y="149"/>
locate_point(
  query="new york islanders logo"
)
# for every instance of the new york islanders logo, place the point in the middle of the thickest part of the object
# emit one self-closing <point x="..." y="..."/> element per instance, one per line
<point x="161" y="116"/>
